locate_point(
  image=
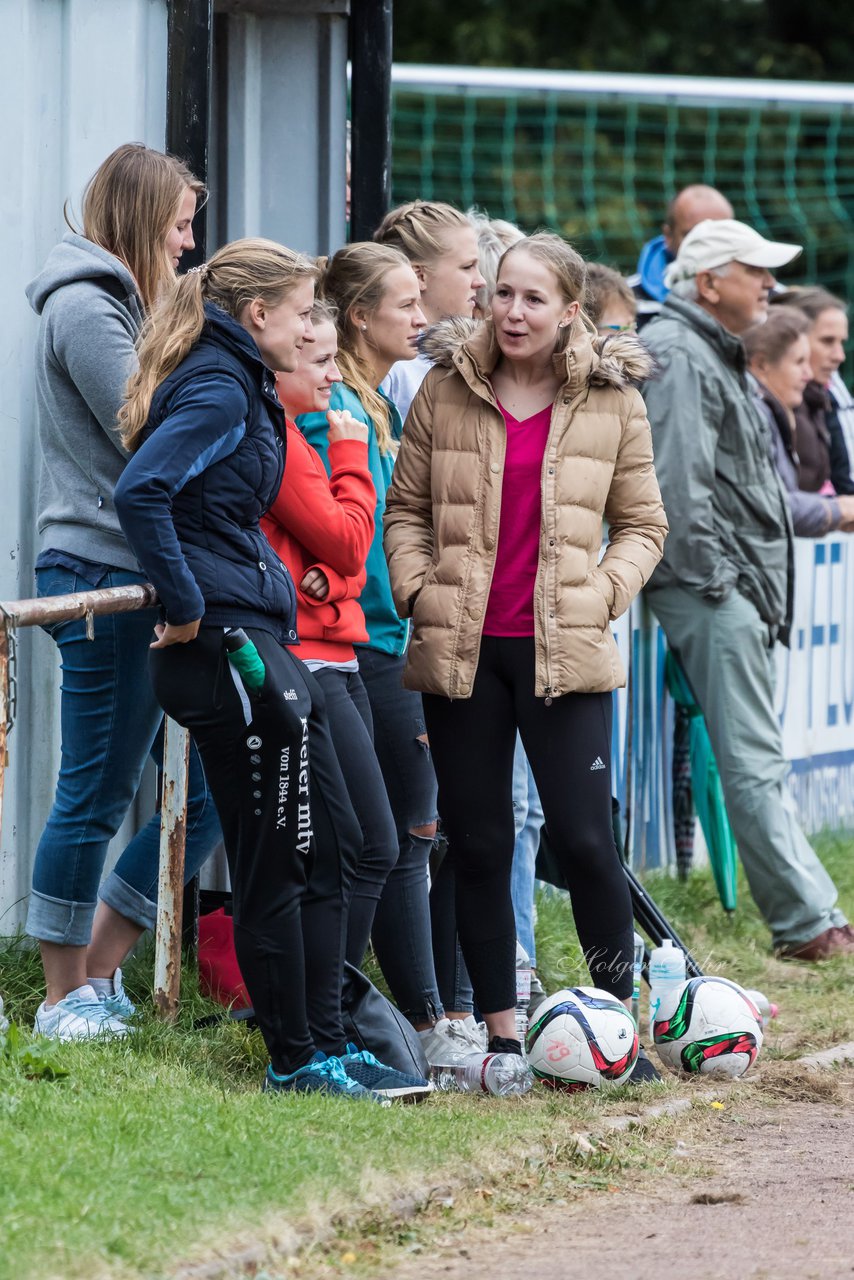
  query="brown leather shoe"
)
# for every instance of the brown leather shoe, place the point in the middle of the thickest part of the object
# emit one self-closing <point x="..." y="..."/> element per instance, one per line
<point x="835" y="941"/>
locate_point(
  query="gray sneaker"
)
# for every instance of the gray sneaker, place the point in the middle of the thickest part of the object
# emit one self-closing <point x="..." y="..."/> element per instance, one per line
<point x="4" y="1021"/>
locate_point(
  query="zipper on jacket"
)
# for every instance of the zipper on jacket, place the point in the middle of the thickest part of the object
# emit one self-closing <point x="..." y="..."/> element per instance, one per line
<point x="547" y="470"/>
<point x="549" y="467"/>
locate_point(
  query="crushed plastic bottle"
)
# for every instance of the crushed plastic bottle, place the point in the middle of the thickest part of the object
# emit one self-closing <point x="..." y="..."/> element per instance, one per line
<point x="504" y="1075"/>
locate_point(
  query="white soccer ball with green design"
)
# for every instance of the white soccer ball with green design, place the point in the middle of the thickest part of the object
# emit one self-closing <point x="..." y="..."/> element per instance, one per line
<point x="708" y="1026"/>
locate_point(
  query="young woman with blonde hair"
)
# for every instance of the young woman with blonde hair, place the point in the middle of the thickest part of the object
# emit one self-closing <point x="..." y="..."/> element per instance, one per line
<point x="324" y="532"/>
<point x="441" y="244"/>
<point x="377" y="296"/>
<point x="92" y="296"/>
<point x="520" y="441"/>
<point x="207" y="433"/>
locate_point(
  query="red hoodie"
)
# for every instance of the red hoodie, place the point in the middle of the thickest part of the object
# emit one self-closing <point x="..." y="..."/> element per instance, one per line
<point x="325" y="522"/>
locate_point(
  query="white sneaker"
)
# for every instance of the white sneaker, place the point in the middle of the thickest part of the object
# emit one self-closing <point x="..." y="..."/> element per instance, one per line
<point x="4" y="1022"/>
<point x="452" y="1042"/>
<point x="80" y="1016"/>
<point x="476" y="1032"/>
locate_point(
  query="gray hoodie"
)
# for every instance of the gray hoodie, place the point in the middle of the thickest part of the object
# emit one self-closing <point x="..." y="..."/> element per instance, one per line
<point x="91" y="314"/>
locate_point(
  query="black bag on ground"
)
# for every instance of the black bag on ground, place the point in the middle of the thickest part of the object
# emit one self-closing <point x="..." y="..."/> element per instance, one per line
<point x="372" y="1022"/>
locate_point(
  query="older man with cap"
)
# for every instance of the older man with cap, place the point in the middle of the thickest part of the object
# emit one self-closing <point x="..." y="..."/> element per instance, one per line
<point x="723" y="591"/>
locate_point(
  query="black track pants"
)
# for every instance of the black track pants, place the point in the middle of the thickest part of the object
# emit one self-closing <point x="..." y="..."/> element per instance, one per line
<point x="336" y="849"/>
<point x="568" y="744"/>
<point x="255" y="754"/>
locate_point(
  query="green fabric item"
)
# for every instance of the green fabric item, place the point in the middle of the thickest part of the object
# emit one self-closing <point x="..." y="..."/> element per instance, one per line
<point x="707" y="790"/>
<point x="247" y="660"/>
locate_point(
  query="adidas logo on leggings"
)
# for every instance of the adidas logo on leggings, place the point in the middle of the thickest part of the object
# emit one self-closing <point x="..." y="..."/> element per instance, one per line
<point x="598" y="763"/>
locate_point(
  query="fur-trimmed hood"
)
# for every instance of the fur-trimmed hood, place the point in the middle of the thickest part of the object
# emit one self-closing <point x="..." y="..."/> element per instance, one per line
<point x="616" y="360"/>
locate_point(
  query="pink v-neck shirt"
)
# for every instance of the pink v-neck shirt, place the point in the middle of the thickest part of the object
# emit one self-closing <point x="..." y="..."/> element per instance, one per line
<point x="510" y="608"/>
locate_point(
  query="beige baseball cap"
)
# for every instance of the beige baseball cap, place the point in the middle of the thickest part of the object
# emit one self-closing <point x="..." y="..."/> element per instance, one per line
<point x="716" y="241"/>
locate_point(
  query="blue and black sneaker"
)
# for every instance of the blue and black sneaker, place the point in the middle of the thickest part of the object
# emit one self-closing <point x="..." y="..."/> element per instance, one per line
<point x="367" y="1071"/>
<point x="321" y="1075"/>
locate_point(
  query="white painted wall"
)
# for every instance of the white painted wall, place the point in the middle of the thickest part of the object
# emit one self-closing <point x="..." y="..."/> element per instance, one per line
<point x="77" y="78"/>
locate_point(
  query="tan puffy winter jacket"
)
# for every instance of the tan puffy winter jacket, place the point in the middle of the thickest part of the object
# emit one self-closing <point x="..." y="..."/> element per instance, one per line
<point x="442" y="512"/>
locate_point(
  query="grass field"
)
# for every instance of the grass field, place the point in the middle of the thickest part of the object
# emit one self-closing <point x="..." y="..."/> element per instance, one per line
<point x="150" y="1152"/>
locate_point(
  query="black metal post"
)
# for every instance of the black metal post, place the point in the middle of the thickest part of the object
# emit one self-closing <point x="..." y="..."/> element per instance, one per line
<point x="188" y="109"/>
<point x="370" y="109"/>
<point x="188" y="98"/>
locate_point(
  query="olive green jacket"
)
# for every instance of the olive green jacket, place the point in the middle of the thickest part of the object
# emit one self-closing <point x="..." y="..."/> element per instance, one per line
<point x="730" y="528"/>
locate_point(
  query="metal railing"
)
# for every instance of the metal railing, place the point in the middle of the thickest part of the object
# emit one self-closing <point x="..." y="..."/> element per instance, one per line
<point x="173" y="810"/>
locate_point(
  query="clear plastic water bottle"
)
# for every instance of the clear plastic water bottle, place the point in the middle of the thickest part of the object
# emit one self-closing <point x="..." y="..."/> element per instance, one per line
<point x="637" y="971"/>
<point x="666" y="973"/>
<point x="523" y="991"/>
<point x="766" y="1008"/>
<point x="504" y="1075"/>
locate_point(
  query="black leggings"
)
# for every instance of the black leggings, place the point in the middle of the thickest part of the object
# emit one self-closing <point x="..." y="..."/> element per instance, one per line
<point x="568" y="744"/>
<point x="255" y="751"/>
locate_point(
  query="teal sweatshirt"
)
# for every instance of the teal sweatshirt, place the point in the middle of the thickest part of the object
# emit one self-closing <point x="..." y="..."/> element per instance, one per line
<point x="387" y="632"/>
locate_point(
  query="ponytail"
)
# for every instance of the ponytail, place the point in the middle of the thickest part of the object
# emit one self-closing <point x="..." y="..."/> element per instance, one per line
<point x="167" y="336"/>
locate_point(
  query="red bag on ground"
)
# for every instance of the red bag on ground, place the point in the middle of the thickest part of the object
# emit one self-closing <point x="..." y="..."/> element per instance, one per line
<point x="219" y="973"/>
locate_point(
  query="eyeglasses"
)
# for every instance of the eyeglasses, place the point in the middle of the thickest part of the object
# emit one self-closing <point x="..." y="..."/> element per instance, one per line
<point x="631" y="327"/>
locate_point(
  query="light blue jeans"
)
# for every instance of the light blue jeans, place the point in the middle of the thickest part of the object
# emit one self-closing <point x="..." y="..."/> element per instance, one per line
<point x="110" y="722"/>
<point x="528" y="823"/>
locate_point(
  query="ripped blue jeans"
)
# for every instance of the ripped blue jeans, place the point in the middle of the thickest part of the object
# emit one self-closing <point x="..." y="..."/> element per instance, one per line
<point x="402" y="934"/>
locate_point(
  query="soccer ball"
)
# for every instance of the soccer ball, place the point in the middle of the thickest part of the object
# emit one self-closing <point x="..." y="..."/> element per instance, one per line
<point x="707" y="1026"/>
<point x="581" y="1038"/>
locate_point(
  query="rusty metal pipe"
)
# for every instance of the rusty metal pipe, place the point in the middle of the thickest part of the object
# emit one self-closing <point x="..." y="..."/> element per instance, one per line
<point x="170" y="887"/>
<point x="35" y="613"/>
<point x="4" y="706"/>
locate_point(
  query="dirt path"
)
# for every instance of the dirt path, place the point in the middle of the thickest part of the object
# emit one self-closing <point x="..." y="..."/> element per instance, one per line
<point x="768" y="1192"/>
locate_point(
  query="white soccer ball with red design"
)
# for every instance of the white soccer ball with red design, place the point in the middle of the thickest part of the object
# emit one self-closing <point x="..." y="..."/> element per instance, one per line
<point x="581" y="1038"/>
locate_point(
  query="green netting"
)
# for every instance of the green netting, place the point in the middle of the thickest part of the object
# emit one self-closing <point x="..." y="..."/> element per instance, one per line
<point x="602" y="170"/>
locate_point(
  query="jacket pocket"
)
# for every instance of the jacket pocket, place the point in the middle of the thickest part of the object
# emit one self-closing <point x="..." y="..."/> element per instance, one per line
<point x="593" y="605"/>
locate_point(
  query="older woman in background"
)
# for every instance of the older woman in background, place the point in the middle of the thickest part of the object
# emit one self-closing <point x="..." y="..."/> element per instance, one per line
<point x="779" y="357"/>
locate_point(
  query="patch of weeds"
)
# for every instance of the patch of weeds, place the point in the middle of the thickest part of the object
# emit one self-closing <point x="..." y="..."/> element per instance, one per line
<point x="33" y="1056"/>
<point x="791" y="1083"/>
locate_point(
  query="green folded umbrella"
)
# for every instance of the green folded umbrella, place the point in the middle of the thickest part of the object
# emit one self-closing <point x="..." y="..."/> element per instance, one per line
<point x="706" y="785"/>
